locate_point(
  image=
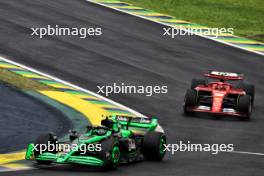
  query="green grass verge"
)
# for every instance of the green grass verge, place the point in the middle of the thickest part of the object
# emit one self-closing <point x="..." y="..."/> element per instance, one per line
<point x="245" y="16"/>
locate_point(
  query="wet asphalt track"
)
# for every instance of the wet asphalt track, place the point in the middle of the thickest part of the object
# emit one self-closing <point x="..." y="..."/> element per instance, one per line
<point x="134" y="51"/>
<point x="24" y="118"/>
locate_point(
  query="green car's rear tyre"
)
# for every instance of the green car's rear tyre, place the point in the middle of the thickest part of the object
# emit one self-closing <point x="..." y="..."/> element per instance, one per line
<point x="110" y="153"/>
<point x="154" y="146"/>
<point x="45" y="139"/>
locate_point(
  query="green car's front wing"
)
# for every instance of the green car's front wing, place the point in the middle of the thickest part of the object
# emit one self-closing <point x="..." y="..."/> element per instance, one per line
<point x="62" y="158"/>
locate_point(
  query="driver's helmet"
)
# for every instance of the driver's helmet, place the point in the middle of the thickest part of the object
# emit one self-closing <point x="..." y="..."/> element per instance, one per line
<point x="222" y="80"/>
<point x="107" y="123"/>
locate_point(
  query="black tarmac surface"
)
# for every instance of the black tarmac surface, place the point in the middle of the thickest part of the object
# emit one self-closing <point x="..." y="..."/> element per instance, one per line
<point x="133" y="51"/>
<point x="24" y="118"/>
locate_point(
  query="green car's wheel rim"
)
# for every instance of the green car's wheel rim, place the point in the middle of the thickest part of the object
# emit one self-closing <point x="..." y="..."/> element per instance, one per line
<point x="162" y="146"/>
<point x="115" y="155"/>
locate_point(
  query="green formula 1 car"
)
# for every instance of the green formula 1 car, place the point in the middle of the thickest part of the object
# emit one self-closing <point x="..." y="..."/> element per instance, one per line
<point x="120" y="139"/>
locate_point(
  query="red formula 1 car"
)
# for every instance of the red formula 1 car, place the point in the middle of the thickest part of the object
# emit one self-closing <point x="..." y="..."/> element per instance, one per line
<point x="222" y="93"/>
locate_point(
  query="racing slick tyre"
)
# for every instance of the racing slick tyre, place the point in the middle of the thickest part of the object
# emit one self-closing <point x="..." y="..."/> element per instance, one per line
<point x="45" y="139"/>
<point x="153" y="146"/>
<point x="110" y="153"/>
<point x="249" y="89"/>
<point x="197" y="82"/>
<point x="244" y="105"/>
<point x="190" y="100"/>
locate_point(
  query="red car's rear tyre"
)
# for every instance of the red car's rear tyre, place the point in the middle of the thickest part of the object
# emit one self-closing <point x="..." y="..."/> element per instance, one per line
<point x="197" y="82"/>
<point x="249" y="89"/>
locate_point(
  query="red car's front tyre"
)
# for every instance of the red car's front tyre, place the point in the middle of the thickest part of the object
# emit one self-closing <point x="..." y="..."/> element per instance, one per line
<point x="244" y="105"/>
<point x="190" y="100"/>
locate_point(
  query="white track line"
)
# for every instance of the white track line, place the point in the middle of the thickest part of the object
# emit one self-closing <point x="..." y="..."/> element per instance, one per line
<point x="203" y="36"/>
<point x="19" y="169"/>
<point x="72" y="85"/>
<point x="248" y="153"/>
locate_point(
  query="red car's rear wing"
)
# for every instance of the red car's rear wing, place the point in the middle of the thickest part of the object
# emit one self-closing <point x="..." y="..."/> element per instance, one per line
<point x="224" y="75"/>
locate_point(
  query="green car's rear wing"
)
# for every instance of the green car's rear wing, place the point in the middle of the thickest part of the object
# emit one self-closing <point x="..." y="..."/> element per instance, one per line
<point x="138" y="122"/>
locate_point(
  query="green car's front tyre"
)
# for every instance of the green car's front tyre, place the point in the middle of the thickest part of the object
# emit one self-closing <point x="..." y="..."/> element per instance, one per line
<point x="115" y="156"/>
<point x="162" y="146"/>
<point x="44" y="139"/>
<point x="110" y="153"/>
